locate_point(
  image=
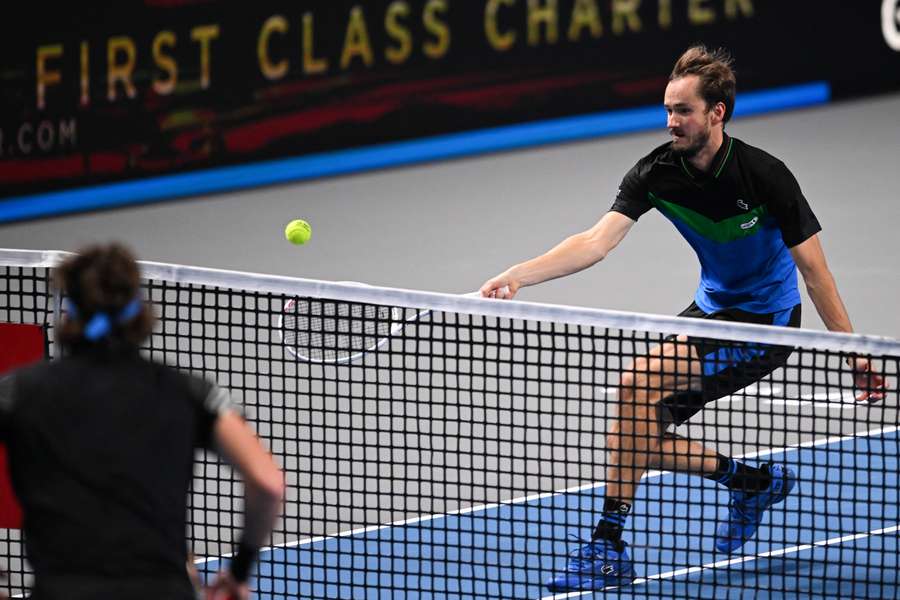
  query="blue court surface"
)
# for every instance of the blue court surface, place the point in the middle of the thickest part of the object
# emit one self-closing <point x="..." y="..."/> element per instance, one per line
<point x="835" y="536"/>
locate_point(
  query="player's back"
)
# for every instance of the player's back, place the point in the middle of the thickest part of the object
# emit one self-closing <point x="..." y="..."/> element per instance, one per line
<point x="101" y="450"/>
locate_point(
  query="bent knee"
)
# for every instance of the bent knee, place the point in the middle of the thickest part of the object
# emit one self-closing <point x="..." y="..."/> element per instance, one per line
<point x="637" y="388"/>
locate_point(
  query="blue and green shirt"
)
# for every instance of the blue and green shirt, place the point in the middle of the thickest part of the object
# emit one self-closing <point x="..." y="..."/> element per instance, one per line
<point x="740" y="218"/>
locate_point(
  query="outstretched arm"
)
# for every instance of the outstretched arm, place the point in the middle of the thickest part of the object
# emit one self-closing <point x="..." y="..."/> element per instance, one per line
<point x="810" y="259"/>
<point x="573" y="254"/>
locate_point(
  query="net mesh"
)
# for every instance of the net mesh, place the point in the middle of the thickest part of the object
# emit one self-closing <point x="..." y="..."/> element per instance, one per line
<point x="457" y="458"/>
<point x="317" y="330"/>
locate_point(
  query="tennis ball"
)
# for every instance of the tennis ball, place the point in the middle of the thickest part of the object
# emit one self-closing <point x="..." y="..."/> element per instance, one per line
<point x="298" y="232"/>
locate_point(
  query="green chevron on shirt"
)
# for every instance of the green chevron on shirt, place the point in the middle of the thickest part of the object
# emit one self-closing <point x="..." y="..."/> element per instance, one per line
<point x="726" y="230"/>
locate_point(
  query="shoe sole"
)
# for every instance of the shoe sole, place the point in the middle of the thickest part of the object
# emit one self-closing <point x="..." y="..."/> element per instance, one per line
<point x="589" y="584"/>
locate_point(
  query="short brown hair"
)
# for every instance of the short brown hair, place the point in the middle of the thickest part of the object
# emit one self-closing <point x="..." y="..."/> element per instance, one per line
<point x="102" y="279"/>
<point x="716" y="73"/>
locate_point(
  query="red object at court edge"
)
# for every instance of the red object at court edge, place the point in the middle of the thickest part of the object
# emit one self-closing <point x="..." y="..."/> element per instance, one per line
<point x="20" y="345"/>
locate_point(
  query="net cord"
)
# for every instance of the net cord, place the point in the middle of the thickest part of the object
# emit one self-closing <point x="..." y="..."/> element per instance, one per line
<point x="469" y="304"/>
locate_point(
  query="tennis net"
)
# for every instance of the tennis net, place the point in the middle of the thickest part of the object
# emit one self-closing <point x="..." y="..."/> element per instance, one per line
<point x="452" y="448"/>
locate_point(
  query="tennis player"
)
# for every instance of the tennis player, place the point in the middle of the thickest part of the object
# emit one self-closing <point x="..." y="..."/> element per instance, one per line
<point x="743" y="213"/>
<point x="101" y="445"/>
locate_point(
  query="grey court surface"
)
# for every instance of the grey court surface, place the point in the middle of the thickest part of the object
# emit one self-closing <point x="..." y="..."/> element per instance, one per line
<point x="449" y="226"/>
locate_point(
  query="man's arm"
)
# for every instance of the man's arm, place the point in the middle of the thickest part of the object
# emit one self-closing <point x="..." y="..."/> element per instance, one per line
<point x="263" y="494"/>
<point x="810" y="259"/>
<point x="820" y="284"/>
<point x="573" y="254"/>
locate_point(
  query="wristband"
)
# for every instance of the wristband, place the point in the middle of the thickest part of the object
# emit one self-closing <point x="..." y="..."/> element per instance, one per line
<point x="242" y="562"/>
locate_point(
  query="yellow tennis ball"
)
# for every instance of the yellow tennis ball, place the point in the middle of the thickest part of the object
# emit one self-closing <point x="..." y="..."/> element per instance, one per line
<point x="298" y="232"/>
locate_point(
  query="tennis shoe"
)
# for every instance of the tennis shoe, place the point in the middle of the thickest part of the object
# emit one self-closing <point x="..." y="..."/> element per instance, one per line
<point x="593" y="566"/>
<point x="746" y="510"/>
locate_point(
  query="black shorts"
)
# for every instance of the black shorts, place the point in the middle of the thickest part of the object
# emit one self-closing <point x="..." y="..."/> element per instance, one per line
<point x="728" y="366"/>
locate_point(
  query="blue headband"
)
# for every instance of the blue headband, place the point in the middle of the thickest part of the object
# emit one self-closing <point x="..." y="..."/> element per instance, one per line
<point x="101" y="323"/>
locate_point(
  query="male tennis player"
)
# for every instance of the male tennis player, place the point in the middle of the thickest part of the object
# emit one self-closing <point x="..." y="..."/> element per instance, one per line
<point x="743" y="213"/>
<point x="101" y="445"/>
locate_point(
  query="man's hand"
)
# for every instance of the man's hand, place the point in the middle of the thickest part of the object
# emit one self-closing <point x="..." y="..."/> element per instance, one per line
<point x="869" y="383"/>
<point x="226" y="588"/>
<point x="504" y="286"/>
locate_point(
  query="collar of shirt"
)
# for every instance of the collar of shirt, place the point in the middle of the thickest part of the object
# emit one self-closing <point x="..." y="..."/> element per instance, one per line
<point x="723" y="155"/>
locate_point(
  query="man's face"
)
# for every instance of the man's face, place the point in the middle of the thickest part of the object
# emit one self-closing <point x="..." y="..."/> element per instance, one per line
<point x="690" y="120"/>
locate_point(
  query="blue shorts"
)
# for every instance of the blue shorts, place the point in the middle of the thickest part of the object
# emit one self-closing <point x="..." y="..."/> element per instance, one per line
<point x="728" y="366"/>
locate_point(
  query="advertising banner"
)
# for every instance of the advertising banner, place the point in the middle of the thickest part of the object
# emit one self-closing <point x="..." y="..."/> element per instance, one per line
<point x="111" y="92"/>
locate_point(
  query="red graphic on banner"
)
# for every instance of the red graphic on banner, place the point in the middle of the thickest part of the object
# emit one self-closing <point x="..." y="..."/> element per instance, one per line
<point x="20" y="345"/>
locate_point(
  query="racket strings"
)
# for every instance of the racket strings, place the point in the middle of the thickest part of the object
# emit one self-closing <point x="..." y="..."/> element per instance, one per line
<point x="330" y="331"/>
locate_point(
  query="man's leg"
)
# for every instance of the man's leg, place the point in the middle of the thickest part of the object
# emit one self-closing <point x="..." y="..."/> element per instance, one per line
<point x="634" y="438"/>
<point x="638" y="440"/>
<point x="681" y="455"/>
<point x="753" y="489"/>
<point x="678" y="454"/>
<point x="641" y="431"/>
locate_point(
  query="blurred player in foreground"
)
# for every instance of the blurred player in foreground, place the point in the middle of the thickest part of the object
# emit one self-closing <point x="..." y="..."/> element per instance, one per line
<point x="101" y="446"/>
<point x="743" y="213"/>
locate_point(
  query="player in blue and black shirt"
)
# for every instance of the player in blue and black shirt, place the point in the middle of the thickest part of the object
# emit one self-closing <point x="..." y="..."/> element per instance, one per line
<point x="743" y="213"/>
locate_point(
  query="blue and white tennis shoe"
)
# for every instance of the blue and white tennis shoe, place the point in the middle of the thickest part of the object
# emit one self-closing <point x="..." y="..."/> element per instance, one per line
<point x="593" y="566"/>
<point x="746" y="511"/>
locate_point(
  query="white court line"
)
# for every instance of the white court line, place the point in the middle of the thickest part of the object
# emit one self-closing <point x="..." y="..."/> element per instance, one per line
<point x="524" y="499"/>
<point x="612" y="392"/>
<point x="840" y="400"/>
<point x="736" y="561"/>
<point x="814" y="404"/>
<point x="765" y="390"/>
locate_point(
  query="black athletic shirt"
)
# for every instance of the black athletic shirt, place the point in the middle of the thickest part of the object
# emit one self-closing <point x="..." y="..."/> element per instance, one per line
<point x="740" y="218"/>
<point x="101" y="453"/>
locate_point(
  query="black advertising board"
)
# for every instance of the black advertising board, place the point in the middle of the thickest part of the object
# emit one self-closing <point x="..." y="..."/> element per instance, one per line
<point x="102" y="93"/>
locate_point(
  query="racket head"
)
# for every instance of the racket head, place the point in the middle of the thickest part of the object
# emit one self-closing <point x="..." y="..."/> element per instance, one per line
<point x="318" y="330"/>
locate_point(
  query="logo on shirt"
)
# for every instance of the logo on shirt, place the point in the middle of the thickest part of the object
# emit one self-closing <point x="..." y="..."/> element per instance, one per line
<point x="749" y="224"/>
<point x="742" y="204"/>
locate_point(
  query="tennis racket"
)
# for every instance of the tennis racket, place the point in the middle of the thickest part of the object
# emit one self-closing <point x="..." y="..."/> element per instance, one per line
<point x="318" y="330"/>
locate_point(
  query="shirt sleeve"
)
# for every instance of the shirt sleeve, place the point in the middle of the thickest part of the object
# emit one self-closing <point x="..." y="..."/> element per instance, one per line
<point x="789" y="207"/>
<point x="632" y="200"/>
<point x="210" y="402"/>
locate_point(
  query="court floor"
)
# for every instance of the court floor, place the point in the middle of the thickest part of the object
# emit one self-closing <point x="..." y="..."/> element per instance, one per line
<point x="845" y="506"/>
